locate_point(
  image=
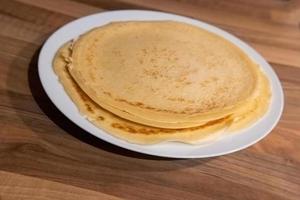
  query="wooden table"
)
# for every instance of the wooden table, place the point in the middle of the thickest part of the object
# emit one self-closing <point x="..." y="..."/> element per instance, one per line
<point x="45" y="156"/>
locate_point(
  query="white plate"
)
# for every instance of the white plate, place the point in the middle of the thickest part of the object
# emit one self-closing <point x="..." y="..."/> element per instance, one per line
<point x="223" y="146"/>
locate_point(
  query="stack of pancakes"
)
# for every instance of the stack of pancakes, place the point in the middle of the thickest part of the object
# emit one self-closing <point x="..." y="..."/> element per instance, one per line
<point x="153" y="81"/>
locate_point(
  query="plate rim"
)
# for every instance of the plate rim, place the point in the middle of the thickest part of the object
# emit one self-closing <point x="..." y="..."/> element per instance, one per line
<point x="246" y="48"/>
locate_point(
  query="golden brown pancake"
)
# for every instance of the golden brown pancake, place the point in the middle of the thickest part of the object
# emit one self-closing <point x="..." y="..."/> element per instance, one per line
<point x="165" y="74"/>
<point x="127" y="130"/>
<point x="93" y="73"/>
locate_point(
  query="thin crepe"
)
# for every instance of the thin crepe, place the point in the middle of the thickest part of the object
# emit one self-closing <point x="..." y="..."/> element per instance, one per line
<point x="124" y="129"/>
<point x="169" y="74"/>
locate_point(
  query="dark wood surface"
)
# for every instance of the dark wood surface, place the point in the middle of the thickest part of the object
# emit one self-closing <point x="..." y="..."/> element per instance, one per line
<point x="45" y="156"/>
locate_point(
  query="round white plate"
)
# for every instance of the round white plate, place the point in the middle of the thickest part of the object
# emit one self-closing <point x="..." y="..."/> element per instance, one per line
<point x="227" y="144"/>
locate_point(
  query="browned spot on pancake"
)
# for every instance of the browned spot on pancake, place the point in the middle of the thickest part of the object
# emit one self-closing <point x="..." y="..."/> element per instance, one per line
<point x="138" y="103"/>
<point x="145" y="51"/>
<point x="90" y="58"/>
<point x="141" y="61"/>
<point x="107" y="93"/>
<point x="180" y="99"/>
<point x="66" y="70"/>
<point x="101" y="118"/>
<point x="187" y="83"/>
<point x="124" y="127"/>
<point x="89" y="108"/>
<point x="152" y="73"/>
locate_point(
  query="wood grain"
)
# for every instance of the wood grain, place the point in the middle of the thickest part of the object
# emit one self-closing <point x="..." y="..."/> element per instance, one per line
<point x="45" y="156"/>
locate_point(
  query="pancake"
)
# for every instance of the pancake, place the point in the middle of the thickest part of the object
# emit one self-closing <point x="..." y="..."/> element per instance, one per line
<point x="128" y="130"/>
<point x="149" y="126"/>
<point x="169" y="74"/>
